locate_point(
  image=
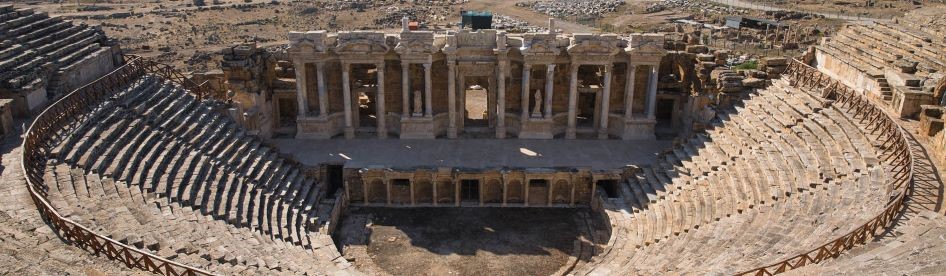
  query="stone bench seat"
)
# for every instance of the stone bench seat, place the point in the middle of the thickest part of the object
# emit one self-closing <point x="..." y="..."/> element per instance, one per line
<point x="161" y="144"/>
<point x="794" y="171"/>
<point x="179" y="233"/>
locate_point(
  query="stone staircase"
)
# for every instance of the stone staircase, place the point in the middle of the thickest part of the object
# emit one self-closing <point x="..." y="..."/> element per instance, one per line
<point x="781" y="174"/>
<point x="157" y="169"/>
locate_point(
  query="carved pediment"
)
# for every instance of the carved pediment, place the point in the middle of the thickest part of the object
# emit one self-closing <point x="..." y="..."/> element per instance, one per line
<point x="312" y="41"/>
<point x="477" y="39"/>
<point x="646" y="44"/>
<point x="589" y="44"/>
<point x="415" y="43"/>
<point x="539" y="44"/>
<point x="361" y="43"/>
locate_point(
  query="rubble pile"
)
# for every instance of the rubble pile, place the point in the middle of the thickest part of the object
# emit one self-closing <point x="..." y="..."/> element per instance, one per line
<point x="514" y="25"/>
<point x="576" y="8"/>
<point x="704" y="7"/>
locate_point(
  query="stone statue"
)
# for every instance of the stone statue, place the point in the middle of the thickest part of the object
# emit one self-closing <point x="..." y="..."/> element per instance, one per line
<point x="418" y="104"/>
<point x="537" y="110"/>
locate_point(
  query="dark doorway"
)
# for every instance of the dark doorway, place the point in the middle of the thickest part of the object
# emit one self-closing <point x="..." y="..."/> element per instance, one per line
<point x="610" y="188"/>
<point x="470" y="190"/>
<point x="287" y="112"/>
<point x="664" y="110"/>
<point x="538" y="192"/>
<point x="664" y="113"/>
<point x="586" y="109"/>
<point x="334" y="178"/>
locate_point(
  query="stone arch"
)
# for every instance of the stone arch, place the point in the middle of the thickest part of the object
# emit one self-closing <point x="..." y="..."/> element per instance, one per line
<point x="423" y="191"/>
<point x="493" y="192"/>
<point x="446" y="191"/>
<point x="514" y="192"/>
<point x="561" y="193"/>
<point x="377" y="191"/>
<point x="400" y="191"/>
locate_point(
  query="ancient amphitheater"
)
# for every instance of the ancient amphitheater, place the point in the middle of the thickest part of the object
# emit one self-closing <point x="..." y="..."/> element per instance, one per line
<point x="825" y="163"/>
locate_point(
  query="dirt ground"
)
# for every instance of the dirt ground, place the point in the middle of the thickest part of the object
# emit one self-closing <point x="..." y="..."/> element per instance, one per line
<point x="460" y="241"/>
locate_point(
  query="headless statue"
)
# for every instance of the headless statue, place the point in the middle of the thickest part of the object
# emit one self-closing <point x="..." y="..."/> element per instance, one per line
<point x="418" y="104"/>
<point x="537" y="110"/>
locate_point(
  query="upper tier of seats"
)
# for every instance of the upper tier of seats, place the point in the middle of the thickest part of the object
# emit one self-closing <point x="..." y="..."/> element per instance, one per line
<point x="34" y="45"/>
<point x="157" y="169"/>
<point x="782" y="173"/>
<point x="873" y="46"/>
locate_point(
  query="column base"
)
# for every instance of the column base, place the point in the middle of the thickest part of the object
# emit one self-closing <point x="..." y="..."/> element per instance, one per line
<point x="349" y="132"/>
<point x="639" y="129"/>
<point x="500" y="132"/>
<point x="417" y="128"/>
<point x="322" y="127"/>
<point x="603" y="134"/>
<point x="452" y="132"/>
<point x="570" y="133"/>
<point x="536" y="128"/>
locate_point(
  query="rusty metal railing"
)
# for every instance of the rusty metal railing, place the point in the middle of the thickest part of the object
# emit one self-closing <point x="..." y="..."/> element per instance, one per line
<point x="895" y="149"/>
<point x="45" y="131"/>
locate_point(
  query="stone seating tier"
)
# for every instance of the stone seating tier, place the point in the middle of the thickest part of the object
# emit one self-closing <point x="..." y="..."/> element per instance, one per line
<point x="170" y="164"/>
<point x="36" y="44"/>
<point x="778" y="175"/>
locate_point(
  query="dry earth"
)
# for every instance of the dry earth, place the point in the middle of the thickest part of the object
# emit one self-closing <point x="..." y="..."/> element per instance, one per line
<point x="460" y="241"/>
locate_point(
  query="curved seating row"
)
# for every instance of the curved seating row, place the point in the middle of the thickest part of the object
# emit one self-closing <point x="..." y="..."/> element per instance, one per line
<point x="772" y="178"/>
<point x="35" y="44"/>
<point x="157" y="169"/>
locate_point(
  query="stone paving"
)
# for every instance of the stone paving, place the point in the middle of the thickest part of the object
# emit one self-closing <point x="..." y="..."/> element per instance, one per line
<point x="475" y="153"/>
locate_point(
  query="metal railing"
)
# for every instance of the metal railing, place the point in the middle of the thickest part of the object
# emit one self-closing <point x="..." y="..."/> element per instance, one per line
<point x="45" y="131"/>
<point x="896" y="152"/>
<point x="200" y="90"/>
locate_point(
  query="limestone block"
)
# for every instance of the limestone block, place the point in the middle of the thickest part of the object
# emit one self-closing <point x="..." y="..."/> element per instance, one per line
<point x="774" y="61"/>
<point x="697" y="49"/>
<point x="754" y="83"/>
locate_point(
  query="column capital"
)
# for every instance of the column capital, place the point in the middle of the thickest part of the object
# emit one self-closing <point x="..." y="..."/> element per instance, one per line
<point x="527" y="65"/>
<point x="320" y="64"/>
<point x="426" y="66"/>
<point x="380" y="65"/>
<point x="550" y="67"/>
<point x="345" y="66"/>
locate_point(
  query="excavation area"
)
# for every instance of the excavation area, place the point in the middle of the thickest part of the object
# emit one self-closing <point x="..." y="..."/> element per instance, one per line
<point x="466" y="241"/>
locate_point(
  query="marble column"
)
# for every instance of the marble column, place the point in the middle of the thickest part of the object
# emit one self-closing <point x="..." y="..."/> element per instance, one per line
<point x="405" y="89"/>
<point x="549" y="89"/>
<point x="346" y="96"/>
<point x="572" y="103"/>
<point x="323" y="91"/>
<point x="652" y="92"/>
<point x="526" y="78"/>
<point x="302" y="93"/>
<point x="501" y="101"/>
<point x="428" y="106"/>
<point x="436" y="198"/>
<point x="605" y="103"/>
<point x="629" y="91"/>
<point x="452" y="100"/>
<point x="380" y="112"/>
